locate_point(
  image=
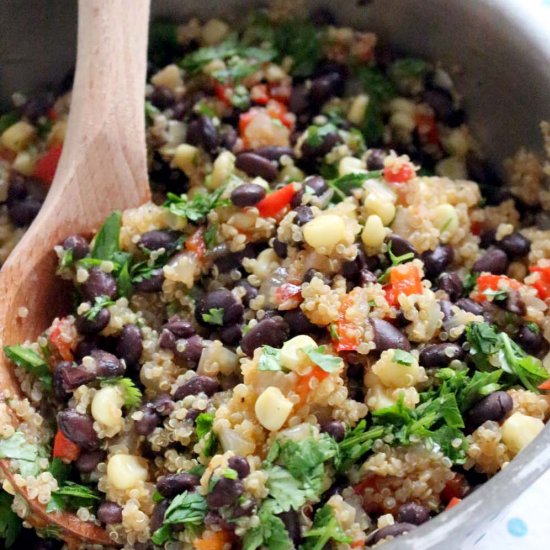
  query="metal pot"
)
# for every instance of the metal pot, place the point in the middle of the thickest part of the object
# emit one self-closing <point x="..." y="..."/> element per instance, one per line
<point x="502" y="49"/>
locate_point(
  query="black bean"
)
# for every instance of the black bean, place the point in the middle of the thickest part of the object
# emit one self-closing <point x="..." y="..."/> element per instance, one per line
<point x="109" y="512"/>
<point x="514" y="303"/>
<point x="322" y="17"/>
<point x="440" y="355"/>
<point x="274" y="152"/>
<point x="84" y="348"/>
<point x="250" y="292"/>
<point x="531" y="340"/>
<point x="87" y="461"/>
<point x="23" y="212"/>
<point x="399" y="245"/>
<point x="303" y="215"/>
<point x="85" y="325"/>
<point x="79" y="428"/>
<point x="179" y="327"/>
<point x="156" y="239"/>
<point x="437" y="260"/>
<point x="320" y="150"/>
<point x="247" y="194"/>
<point x="271" y="332"/>
<point x="386" y="336"/>
<point x="292" y="525"/>
<point x="153" y="283"/>
<point x="451" y="284"/>
<point x="107" y="364"/>
<point x="99" y="284"/>
<point x="162" y="97"/>
<point x="298" y="323"/>
<point x="280" y="248"/>
<point x="166" y="178"/>
<point x="446" y="308"/>
<point x="173" y="484"/>
<point x="37" y="106"/>
<point x="157" y="517"/>
<point x="394" y="530"/>
<point x="130" y="344"/>
<point x="78" y="244"/>
<point x="441" y="101"/>
<point x="225" y="492"/>
<point x="493" y="407"/>
<point x="366" y="276"/>
<point x="219" y="299"/>
<point x="163" y="404"/>
<point x="494" y="261"/>
<point x="413" y="512"/>
<point x="193" y="350"/>
<point x="202" y="133"/>
<point x="299" y="101"/>
<point x="324" y="87"/>
<point x="67" y="377"/>
<point x="375" y="160"/>
<point x="196" y="385"/>
<point x="228" y="138"/>
<point x="470" y="306"/>
<point x="240" y="465"/>
<point x="167" y="340"/>
<point x="231" y="335"/>
<point x="192" y="415"/>
<point x="488" y="238"/>
<point x="149" y="420"/>
<point x="256" y="165"/>
<point x="515" y="245"/>
<point x="317" y="184"/>
<point x="335" y="428"/>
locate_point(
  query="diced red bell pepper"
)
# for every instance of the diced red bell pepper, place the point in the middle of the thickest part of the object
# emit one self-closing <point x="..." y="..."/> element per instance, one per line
<point x="303" y="386"/>
<point x="489" y="282"/>
<point x="278" y="110"/>
<point x="280" y="91"/>
<point x="475" y="228"/>
<point x="288" y="296"/>
<point x="46" y="165"/>
<point x="544" y="386"/>
<point x="195" y="243"/>
<point x="259" y="94"/>
<point x="399" y="172"/>
<point x="58" y="338"/>
<point x="213" y="540"/>
<point x="64" y="448"/>
<point x="453" y="502"/>
<point x="271" y="205"/>
<point x="456" y="487"/>
<point x="348" y="332"/>
<point x="404" y="279"/>
<point x="223" y="93"/>
<point x="542" y="285"/>
<point x="427" y="128"/>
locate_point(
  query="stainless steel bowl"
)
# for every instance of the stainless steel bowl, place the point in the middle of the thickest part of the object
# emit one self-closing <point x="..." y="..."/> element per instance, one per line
<point x="503" y="50"/>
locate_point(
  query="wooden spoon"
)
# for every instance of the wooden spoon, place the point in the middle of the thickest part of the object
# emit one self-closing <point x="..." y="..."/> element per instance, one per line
<point x="102" y="168"/>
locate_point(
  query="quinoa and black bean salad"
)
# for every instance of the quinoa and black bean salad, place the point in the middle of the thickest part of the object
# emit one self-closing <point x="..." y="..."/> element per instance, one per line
<point x="320" y="334"/>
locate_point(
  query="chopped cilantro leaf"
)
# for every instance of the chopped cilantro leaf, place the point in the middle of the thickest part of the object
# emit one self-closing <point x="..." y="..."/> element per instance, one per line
<point x="329" y="363"/>
<point x="195" y="209"/>
<point x="270" y="359"/>
<point x="316" y="134"/>
<point x="72" y="496"/>
<point x="210" y="236"/>
<point x="203" y="426"/>
<point x="214" y="316"/>
<point x="395" y="260"/>
<point x="8" y="119"/>
<point x="10" y="523"/>
<point x="299" y="40"/>
<point x="408" y="67"/>
<point x="357" y="442"/>
<point x="101" y="302"/>
<point x="270" y="532"/>
<point x="106" y="242"/>
<point x="470" y="281"/>
<point x="286" y="491"/>
<point x="324" y="529"/>
<point x="30" y="361"/>
<point x="131" y="394"/>
<point x="403" y="357"/>
<point x="334" y="332"/>
<point x="59" y="470"/>
<point x="343" y="185"/>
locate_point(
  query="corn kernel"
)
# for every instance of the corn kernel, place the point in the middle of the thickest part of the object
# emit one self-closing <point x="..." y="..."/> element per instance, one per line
<point x="358" y="108"/>
<point x="383" y="208"/>
<point x="519" y="430"/>
<point x="452" y="167"/>
<point x="222" y="169"/>
<point x="107" y="407"/>
<point x="18" y="136"/>
<point x="445" y="218"/>
<point x="350" y="165"/>
<point x="324" y="232"/>
<point x="397" y="375"/>
<point x="292" y="355"/>
<point x="374" y="232"/>
<point x="169" y="77"/>
<point x="126" y="471"/>
<point x="272" y="408"/>
<point x="185" y="158"/>
<point x="214" y="31"/>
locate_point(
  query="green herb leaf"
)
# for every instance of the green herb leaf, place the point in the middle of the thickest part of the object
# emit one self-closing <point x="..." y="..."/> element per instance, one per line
<point x="106" y="242"/>
<point x="30" y="361"/>
<point x="480" y="385"/>
<point x="163" y="42"/>
<point x="403" y="357"/>
<point x="210" y="236"/>
<point x="301" y="41"/>
<point x="66" y="260"/>
<point x="72" y="496"/>
<point x="59" y="470"/>
<point x="379" y="88"/>
<point x="270" y="359"/>
<point x="329" y="363"/>
<point x="270" y="533"/>
<point x="324" y="529"/>
<point x="334" y="332"/>
<point x="101" y="302"/>
<point x="8" y="119"/>
<point x="408" y="67"/>
<point x="197" y="208"/>
<point x="162" y="535"/>
<point x="356" y="444"/>
<point x="470" y="281"/>
<point x="131" y="394"/>
<point x="395" y="260"/>
<point x="10" y="523"/>
<point x="214" y="316"/>
<point x="286" y="491"/>
<point x="316" y="134"/>
<point x="343" y="185"/>
<point x="203" y="424"/>
<point x="186" y="508"/>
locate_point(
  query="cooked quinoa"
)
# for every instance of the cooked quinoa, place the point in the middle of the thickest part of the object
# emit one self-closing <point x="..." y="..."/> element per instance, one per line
<point x="328" y="326"/>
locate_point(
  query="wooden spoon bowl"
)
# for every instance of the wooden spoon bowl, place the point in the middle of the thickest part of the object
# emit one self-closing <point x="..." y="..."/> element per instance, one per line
<point x="102" y="168"/>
